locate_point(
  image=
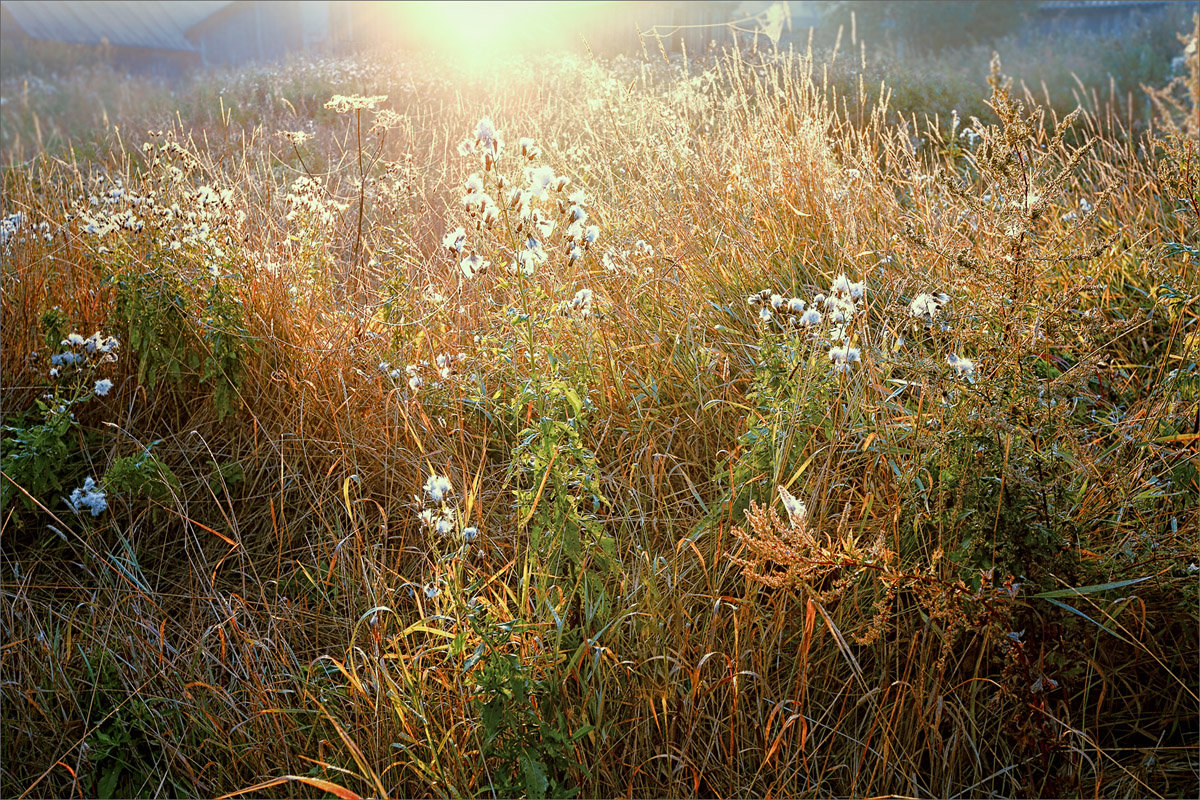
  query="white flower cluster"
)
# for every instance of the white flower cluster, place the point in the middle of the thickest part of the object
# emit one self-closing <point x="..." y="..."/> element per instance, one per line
<point x="78" y="351"/>
<point x="16" y="228"/>
<point x="963" y="367"/>
<point x="444" y="365"/>
<point x="441" y="519"/>
<point x="90" y="497"/>
<point x="478" y="204"/>
<point x="309" y="202"/>
<point x="487" y="143"/>
<point x="926" y="306"/>
<point x="623" y="259"/>
<point x="844" y="357"/>
<point x="830" y="315"/>
<point x="344" y="104"/>
<point x="580" y="305"/>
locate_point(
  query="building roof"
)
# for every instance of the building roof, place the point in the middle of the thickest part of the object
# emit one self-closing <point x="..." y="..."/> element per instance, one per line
<point x="152" y="24"/>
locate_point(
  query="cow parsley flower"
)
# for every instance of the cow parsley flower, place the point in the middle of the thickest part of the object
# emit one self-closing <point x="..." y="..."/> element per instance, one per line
<point x="437" y="487"/>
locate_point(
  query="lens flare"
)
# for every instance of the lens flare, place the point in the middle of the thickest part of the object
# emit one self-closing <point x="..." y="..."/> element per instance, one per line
<point x="478" y="35"/>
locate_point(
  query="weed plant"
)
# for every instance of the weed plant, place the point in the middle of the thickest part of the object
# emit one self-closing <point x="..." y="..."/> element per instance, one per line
<point x="643" y="427"/>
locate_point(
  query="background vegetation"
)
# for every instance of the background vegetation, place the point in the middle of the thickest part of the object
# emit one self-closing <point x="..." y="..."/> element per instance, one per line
<point x="336" y="510"/>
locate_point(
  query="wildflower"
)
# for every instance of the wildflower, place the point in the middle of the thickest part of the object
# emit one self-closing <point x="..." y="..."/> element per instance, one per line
<point x="437" y="487"/>
<point x="528" y="148"/>
<point x="764" y="314"/>
<point x="777" y="302"/>
<point x="103" y="387"/>
<point x="89" y="496"/>
<point x="443" y="527"/>
<point x="796" y="509"/>
<point x="295" y="138"/>
<point x="540" y="180"/>
<point x="590" y="235"/>
<point x="754" y="301"/>
<point x="65" y="359"/>
<point x="470" y="533"/>
<point x="342" y="104"/>
<point x="487" y="137"/>
<point x="795" y="305"/>
<point x="843" y="358"/>
<point x="810" y="318"/>
<point x="455" y="240"/>
<point x="963" y="367"/>
<point x="473" y="184"/>
<point x="473" y="264"/>
<point x="926" y="305"/>
<point x="582" y="302"/>
<point x="54" y="372"/>
<point x="74" y="340"/>
<point x="844" y="286"/>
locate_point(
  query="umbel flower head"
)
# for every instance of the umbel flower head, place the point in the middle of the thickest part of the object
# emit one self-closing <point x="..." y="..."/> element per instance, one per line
<point x="343" y="104"/>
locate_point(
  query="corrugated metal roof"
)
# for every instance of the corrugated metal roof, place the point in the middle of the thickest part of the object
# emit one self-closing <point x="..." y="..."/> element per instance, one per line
<point x="123" y="23"/>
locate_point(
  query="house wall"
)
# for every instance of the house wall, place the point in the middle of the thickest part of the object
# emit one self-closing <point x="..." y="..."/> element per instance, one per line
<point x="249" y="31"/>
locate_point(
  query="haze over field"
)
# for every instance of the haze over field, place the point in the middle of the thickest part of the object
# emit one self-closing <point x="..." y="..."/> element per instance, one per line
<point x="724" y="411"/>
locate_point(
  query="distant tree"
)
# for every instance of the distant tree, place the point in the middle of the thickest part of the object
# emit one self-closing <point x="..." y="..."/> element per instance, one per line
<point x="930" y="26"/>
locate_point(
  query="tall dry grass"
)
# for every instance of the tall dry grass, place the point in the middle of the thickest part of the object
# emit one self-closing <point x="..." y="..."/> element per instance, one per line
<point x="991" y="590"/>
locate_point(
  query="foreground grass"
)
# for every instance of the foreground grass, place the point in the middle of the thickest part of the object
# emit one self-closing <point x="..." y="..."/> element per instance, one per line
<point x="375" y="521"/>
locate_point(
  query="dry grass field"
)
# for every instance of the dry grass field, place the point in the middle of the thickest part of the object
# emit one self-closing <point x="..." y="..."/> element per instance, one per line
<point x="639" y="427"/>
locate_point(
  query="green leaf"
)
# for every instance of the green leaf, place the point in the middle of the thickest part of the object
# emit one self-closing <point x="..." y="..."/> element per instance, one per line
<point x="1077" y="612"/>
<point x="536" y="781"/>
<point x="107" y="786"/>
<point x="573" y="399"/>
<point x="1096" y="587"/>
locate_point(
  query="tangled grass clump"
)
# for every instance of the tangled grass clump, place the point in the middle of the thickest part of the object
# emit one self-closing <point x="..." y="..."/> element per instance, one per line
<point x="443" y="451"/>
